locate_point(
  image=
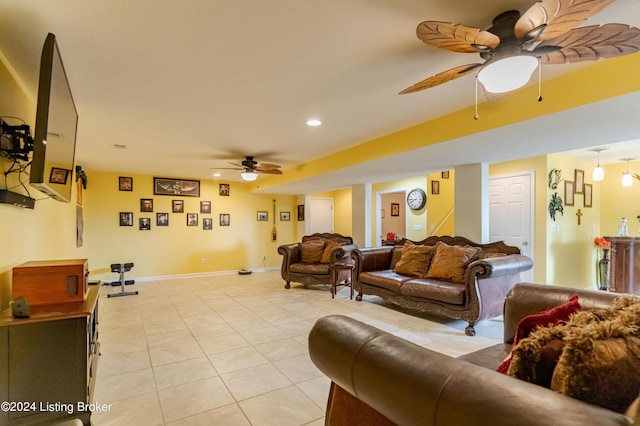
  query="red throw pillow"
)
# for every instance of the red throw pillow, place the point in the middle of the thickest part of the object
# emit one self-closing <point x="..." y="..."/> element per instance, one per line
<point x="553" y="316"/>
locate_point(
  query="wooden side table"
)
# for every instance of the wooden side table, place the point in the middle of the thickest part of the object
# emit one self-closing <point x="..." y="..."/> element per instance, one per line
<point x="335" y="270"/>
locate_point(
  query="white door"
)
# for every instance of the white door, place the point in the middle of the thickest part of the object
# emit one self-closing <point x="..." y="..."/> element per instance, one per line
<point x="511" y="213"/>
<point x="321" y="215"/>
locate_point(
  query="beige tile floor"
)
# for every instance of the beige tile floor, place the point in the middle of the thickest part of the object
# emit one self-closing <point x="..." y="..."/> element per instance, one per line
<point x="232" y="350"/>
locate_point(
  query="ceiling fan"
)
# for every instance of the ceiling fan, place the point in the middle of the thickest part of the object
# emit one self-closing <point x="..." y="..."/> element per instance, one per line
<point x="516" y="45"/>
<point x="251" y="168"/>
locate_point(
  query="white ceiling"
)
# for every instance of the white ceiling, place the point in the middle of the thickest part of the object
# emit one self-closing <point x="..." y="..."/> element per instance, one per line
<point x="189" y="85"/>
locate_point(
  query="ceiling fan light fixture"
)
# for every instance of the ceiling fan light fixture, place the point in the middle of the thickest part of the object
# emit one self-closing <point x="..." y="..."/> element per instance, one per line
<point x="249" y="176"/>
<point x="507" y="74"/>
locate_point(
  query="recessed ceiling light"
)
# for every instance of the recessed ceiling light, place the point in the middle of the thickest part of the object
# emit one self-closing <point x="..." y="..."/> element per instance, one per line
<point x="217" y="174"/>
<point x="314" y="122"/>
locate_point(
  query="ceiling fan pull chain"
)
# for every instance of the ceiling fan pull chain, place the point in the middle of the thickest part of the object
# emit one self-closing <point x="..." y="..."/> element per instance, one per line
<point x="539" y="81"/>
<point x="476" y="116"/>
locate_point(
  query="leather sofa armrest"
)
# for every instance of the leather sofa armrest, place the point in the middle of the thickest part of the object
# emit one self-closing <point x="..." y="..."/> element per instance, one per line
<point x="498" y="266"/>
<point x="412" y="385"/>
<point x="342" y="254"/>
<point x="290" y="252"/>
<point x="372" y="258"/>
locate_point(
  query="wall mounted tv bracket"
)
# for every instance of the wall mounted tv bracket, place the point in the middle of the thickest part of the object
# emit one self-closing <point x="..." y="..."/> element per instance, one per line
<point x="15" y="141"/>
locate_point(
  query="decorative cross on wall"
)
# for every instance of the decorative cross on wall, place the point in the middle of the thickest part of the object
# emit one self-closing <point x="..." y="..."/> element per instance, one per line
<point x="579" y="214"/>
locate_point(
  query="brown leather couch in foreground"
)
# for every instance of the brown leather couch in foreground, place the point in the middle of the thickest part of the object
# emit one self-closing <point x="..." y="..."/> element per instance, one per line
<point x="381" y="379"/>
<point x="478" y="292"/>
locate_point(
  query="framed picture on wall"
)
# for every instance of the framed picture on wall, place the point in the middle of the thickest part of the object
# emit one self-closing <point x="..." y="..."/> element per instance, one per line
<point x="435" y="187"/>
<point x="225" y="219"/>
<point x="146" y="205"/>
<point x="168" y="186"/>
<point x="125" y="183"/>
<point x="224" y="189"/>
<point x="445" y="174"/>
<point x="126" y="218"/>
<point x="145" y="223"/>
<point x="59" y="176"/>
<point x="300" y="212"/>
<point x="569" y="192"/>
<point x="207" y="223"/>
<point x="162" y="219"/>
<point x="588" y="195"/>
<point x="192" y="219"/>
<point x="177" y="206"/>
<point x="263" y="216"/>
<point x="395" y="209"/>
<point x="205" y="206"/>
<point x="285" y="216"/>
<point x="579" y="181"/>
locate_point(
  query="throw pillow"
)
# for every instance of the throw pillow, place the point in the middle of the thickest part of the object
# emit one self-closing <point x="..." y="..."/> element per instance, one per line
<point x="396" y="254"/>
<point x="600" y="363"/>
<point x="557" y="315"/>
<point x="329" y="247"/>
<point x="311" y="251"/>
<point x="414" y="260"/>
<point x="450" y="262"/>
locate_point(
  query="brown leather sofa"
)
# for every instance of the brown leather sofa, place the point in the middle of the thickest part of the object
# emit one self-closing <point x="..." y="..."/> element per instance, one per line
<point x="481" y="295"/>
<point x="295" y="268"/>
<point x="381" y="379"/>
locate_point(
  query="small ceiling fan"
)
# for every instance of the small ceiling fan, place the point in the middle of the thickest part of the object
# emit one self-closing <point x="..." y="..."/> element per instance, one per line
<point x="516" y="45"/>
<point x="251" y="168"/>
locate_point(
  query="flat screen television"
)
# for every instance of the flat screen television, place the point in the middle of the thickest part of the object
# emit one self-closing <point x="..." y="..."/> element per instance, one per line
<point x="54" y="141"/>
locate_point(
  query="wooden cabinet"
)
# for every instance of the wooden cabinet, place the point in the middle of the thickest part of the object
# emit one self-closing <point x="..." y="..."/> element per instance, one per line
<point x="625" y="264"/>
<point x="48" y="362"/>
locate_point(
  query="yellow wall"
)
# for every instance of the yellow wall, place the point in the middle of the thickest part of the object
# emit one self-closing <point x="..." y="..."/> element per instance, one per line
<point x="440" y="207"/>
<point x="178" y="248"/>
<point x="342" y="211"/>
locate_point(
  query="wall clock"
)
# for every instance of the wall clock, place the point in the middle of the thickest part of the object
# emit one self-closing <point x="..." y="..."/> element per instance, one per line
<point x="416" y="199"/>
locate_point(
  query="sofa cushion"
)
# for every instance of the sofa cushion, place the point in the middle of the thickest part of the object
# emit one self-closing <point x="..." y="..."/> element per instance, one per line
<point x="450" y="262"/>
<point x="309" y="268"/>
<point x="414" y="260"/>
<point x="311" y="251"/>
<point x="384" y="279"/>
<point x="329" y="247"/>
<point x="441" y="291"/>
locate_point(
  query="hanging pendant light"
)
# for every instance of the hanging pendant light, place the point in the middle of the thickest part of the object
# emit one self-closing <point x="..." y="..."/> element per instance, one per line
<point x="598" y="172"/>
<point x="627" y="179"/>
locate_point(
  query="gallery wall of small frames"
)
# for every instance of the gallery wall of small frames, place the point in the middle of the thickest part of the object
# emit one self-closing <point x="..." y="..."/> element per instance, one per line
<point x="178" y="188"/>
<point x="173" y="187"/>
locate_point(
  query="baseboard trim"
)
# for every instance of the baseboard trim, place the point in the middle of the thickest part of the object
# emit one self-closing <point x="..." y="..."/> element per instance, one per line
<point x="201" y="274"/>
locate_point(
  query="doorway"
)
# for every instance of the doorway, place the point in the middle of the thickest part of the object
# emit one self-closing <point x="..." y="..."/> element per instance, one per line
<point x="392" y="215"/>
<point x="321" y="215"/>
<point x="511" y="213"/>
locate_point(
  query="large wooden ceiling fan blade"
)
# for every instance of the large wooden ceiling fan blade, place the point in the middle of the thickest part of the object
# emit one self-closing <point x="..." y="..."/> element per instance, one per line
<point x="268" y="166"/>
<point x="268" y="171"/>
<point x="591" y="43"/>
<point x="457" y="38"/>
<point x="558" y="16"/>
<point x="441" y="78"/>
